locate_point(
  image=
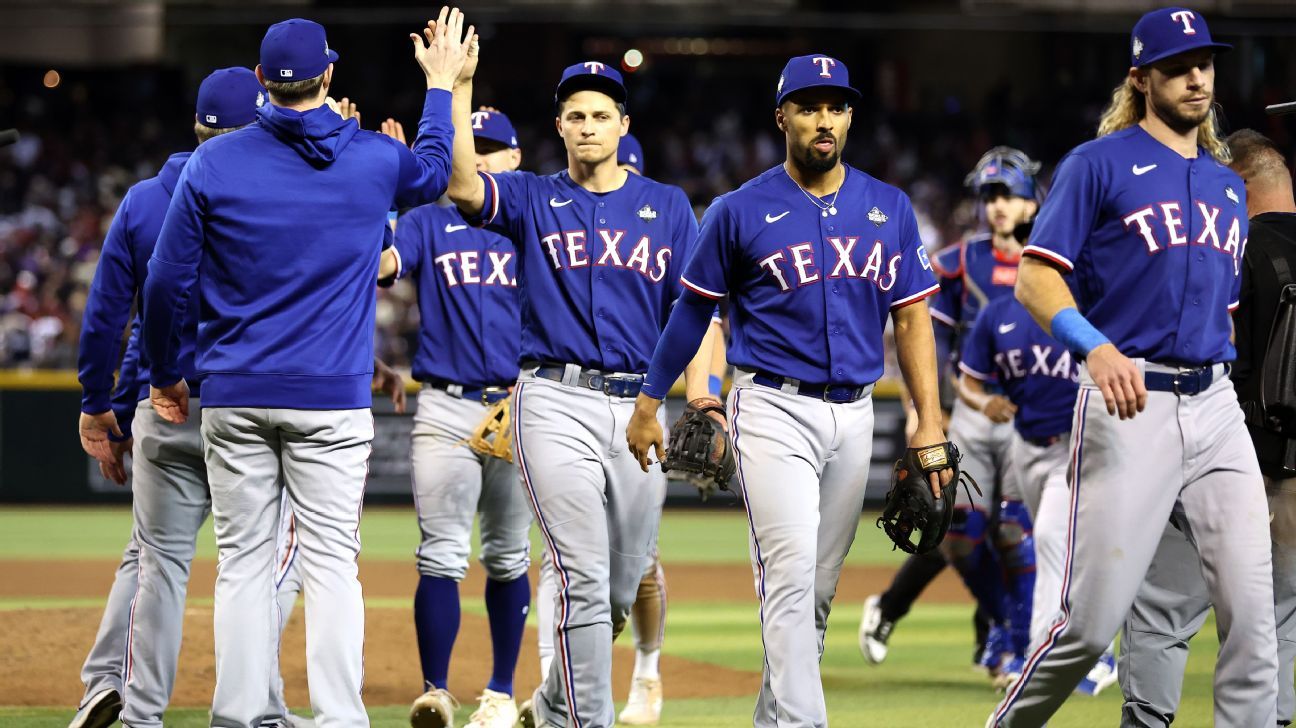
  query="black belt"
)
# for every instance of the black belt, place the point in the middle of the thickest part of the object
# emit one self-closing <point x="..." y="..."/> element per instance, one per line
<point x="1189" y="381"/>
<point x="613" y="385"/>
<point x="835" y="393"/>
<point x="485" y="395"/>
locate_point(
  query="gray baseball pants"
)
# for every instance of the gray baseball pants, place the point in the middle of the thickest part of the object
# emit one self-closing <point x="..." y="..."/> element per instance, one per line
<point x="1172" y="606"/>
<point x="1040" y="481"/>
<point x="598" y="514"/>
<point x="321" y="459"/>
<point x="452" y="484"/>
<point x="1193" y="451"/>
<point x="803" y="465"/>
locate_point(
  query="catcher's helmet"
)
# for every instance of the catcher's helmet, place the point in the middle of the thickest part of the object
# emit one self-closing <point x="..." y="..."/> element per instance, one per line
<point x="1008" y="167"/>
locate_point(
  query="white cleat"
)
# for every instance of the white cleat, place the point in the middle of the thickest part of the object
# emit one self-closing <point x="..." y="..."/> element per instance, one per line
<point x="298" y="721"/>
<point x="874" y="631"/>
<point x="433" y="709"/>
<point x="1101" y="676"/>
<point x="645" y="704"/>
<point x="494" y="710"/>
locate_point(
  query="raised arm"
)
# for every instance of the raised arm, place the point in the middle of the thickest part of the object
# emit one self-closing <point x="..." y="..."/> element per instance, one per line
<point x="467" y="189"/>
<point x="425" y="170"/>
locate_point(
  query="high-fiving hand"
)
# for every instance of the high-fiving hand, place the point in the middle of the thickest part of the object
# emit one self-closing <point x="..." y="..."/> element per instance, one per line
<point x="448" y="46"/>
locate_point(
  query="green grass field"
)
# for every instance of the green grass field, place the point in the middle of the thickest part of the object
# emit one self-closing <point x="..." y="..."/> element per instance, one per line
<point x="926" y="681"/>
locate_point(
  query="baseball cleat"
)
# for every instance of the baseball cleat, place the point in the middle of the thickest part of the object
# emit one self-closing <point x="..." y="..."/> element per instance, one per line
<point x="1101" y="676"/>
<point x="433" y="709"/>
<point x="645" y="703"/>
<point x="100" y="711"/>
<point x="299" y="721"/>
<point x="494" y="710"/>
<point x="874" y="631"/>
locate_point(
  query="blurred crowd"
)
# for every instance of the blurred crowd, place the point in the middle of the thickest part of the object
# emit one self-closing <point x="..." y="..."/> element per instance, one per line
<point x="83" y="147"/>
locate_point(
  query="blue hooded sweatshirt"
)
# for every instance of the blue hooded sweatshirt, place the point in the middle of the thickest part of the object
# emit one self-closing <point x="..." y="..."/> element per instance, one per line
<point x="119" y="278"/>
<point x="274" y="227"/>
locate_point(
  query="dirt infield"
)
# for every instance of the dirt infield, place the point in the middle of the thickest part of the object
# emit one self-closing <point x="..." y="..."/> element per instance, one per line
<point x="44" y="647"/>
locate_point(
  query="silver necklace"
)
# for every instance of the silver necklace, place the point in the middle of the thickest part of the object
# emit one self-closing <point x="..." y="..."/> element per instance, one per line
<point x="824" y="210"/>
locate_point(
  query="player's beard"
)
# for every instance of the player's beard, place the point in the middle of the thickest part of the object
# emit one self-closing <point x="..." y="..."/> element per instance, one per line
<point x="1177" y="116"/>
<point x="813" y="161"/>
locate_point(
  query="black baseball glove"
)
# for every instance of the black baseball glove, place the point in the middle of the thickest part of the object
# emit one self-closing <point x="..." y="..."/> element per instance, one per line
<point x="699" y="447"/>
<point x="914" y="519"/>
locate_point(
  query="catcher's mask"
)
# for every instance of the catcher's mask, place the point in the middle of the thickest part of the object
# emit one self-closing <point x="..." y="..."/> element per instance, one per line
<point x="914" y="519"/>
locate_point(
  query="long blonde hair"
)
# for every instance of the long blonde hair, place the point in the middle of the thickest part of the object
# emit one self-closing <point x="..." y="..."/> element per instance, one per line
<point x="1128" y="107"/>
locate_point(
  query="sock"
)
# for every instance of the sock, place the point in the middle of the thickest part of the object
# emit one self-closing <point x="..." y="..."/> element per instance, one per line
<point x="436" y="621"/>
<point x="646" y="665"/>
<point x="507" y="603"/>
<point x="909" y="582"/>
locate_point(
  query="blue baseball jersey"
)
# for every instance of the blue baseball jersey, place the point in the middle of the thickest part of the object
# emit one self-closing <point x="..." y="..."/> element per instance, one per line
<point x="467" y="296"/>
<point x="597" y="272"/>
<point x="972" y="274"/>
<point x="1153" y="242"/>
<point x="1037" y="374"/>
<point x="809" y="293"/>
<point x="118" y="281"/>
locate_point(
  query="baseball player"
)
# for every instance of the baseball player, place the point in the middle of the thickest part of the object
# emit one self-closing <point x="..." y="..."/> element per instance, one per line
<point x="467" y="361"/>
<point x="1149" y="225"/>
<point x="1173" y="602"/>
<point x="813" y="255"/>
<point x="133" y="661"/>
<point x="599" y="252"/>
<point x="1039" y="378"/>
<point x="984" y="543"/>
<point x="648" y="613"/>
<point x="277" y="241"/>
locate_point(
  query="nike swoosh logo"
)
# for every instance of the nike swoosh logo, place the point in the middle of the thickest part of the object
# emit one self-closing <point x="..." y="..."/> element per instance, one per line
<point x="776" y="218"/>
<point x="555" y="203"/>
<point x="1005" y="328"/>
<point x="1137" y="170"/>
<point x="455" y="228"/>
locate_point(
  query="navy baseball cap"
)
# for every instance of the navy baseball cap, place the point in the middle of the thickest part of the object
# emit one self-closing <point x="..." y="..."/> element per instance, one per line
<point x="494" y="126"/>
<point x="591" y="76"/>
<point x="630" y="152"/>
<point x="812" y="71"/>
<point x="295" y="50"/>
<point x="1169" y="32"/>
<point x="229" y="97"/>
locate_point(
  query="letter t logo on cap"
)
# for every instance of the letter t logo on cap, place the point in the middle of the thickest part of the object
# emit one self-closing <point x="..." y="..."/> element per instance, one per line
<point x="594" y="66"/>
<point x="1185" y="17"/>
<point x="824" y="65"/>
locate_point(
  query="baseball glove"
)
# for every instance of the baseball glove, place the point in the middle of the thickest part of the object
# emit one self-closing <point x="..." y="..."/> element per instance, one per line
<point x="911" y="509"/>
<point x="699" y="447"/>
<point x="493" y="436"/>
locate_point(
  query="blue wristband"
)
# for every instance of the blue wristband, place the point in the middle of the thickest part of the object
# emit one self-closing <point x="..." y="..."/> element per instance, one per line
<point x="714" y="385"/>
<point x="1076" y="333"/>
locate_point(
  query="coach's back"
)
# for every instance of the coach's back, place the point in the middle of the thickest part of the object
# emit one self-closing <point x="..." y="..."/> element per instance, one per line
<point x="286" y="218"/>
